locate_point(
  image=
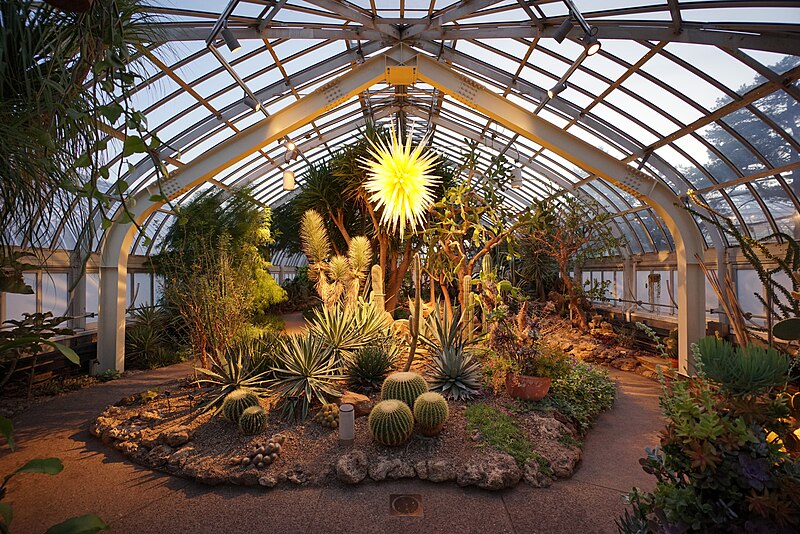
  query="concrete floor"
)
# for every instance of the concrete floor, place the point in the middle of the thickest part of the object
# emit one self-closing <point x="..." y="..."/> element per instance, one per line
<point x="132" y="499"/>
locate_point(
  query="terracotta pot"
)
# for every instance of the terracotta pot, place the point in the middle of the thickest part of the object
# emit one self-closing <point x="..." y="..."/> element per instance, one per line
<point x="527" y="387"/>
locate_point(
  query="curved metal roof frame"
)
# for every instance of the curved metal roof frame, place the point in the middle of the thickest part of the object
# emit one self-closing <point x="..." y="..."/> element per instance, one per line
<point x="195" y="98"/>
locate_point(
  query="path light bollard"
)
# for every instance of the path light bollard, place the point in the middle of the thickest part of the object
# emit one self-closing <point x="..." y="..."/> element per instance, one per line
<point x="346" y="424"/>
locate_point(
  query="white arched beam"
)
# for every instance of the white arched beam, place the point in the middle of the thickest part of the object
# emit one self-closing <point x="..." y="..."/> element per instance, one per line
<point x="688" y="240"/>
<point x="117" y="241"/>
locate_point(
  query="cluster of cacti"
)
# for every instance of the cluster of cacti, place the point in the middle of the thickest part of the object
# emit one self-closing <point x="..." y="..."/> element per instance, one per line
<point x="328" y="415"/>
<point x="430" y="412"/>
<point x="236" y="402"/>
<point x="338" y="278"/>
<point x="262" y="455"/>
<point x="405" y="386"/>
<point x="391" y="422"/>
<point x="253" y="420"/>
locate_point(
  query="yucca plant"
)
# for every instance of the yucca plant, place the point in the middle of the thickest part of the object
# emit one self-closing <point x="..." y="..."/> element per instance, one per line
<point x="454" y="371"/>
<point x="369" y="366"/>
<point x="235" y="369"/>
<point x="347" y="329"/>
<point x="305" y="371"/>
<point x="749" y="369"/>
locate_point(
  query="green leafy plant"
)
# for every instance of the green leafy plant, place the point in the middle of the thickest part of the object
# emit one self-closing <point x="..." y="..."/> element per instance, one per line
<point x="746" y="370"/>
<point x="403" y="386"/>
<point x="453" y="369"/>
<point x="233" y="371"/>
<point x="430" y="412"/>
<point x="368" y="368"/>
<point x="85" y="524"/>
<point x="305" y="371"/>
<point x="149" y="342"/>
<point x="347" y="329"/>
<point x="500" y="431"/>
<point x="391" y="422"/>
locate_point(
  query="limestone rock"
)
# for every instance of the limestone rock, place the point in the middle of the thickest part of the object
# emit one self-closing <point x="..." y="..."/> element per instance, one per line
<point x="493" y="471"/>
<point x="533" y="476"/>
<point x="159" y="455"/>
<point x="268" y="481"/>
<point x="421" y="468"/>
<point x="175" y="437"/>
<point x="394" y="468"/>
<point x="564" y="460"/>
<point x="361" y="403"/>
<point x="181" y="457"/>
<point x="210" y="476"/>
<point x="441" y="471"/>
<point x="352" y="468"/>
<point x="248" y="477"/>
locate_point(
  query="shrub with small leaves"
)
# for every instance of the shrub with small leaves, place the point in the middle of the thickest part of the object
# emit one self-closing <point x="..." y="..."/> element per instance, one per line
<point x="253" y="420"/>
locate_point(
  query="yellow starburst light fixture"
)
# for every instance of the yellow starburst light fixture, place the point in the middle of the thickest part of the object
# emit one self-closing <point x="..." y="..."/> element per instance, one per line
<point x="400" y="182"/>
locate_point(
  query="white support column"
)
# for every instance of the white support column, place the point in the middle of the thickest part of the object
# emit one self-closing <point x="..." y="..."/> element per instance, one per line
<point x="117" y="241"/>
<point x="76" y="281"/>
<point x="688" y="240"/>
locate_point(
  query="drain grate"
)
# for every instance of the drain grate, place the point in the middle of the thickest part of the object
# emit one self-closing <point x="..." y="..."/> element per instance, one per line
<point x="405" y="505"/>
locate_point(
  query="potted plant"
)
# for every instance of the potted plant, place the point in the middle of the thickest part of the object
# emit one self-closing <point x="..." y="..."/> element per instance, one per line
<point x="519" y="362"/>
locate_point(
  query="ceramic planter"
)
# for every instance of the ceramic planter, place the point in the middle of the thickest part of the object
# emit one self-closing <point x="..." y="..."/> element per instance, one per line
<point x="525" y="387"/>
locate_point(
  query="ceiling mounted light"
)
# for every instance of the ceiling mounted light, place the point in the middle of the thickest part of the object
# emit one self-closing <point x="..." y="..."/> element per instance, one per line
<point x="231" y="40"/>
<point x="516" y="177"/>
<point x="591" y="43"/>
<point x="288" y="181"/>
<point x="563" y="30"/>
<point x="290" y="146"/>
<point x="248" y="101"/>
<point x="557" y="88"/>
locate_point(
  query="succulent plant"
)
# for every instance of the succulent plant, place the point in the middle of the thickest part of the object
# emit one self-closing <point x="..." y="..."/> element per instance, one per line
<point x="431" y="411"/>
<point x="328" y="415"/>
<point x="391" y="422"/>
<point x="253" y="420"/>
<point x="369" y="366"/>
<point x="405" y="386"/>
<point x="236" y="402"/>
<point x="262" y="455"/>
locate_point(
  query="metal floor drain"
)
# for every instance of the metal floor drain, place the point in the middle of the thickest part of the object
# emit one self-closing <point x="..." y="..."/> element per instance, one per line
<point x="405" y="505"/>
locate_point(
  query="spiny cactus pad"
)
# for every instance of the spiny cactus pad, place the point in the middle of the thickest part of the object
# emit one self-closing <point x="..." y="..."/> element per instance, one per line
<point x="391" y="422"/>
<point x="431" y="411"/>
<point x="404" y="387"/>
<point x="237" y="402"/>
<point x="253" y="420"/>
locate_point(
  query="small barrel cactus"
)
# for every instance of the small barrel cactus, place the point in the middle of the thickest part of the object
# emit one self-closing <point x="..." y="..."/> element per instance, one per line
<point x="236" y="402"/>
<point x="328" y="416"/>
<point x="404" y="387"/>
<point x="391" y="422"/>
<point x="253" y="420"/>
<point x="431" y="411"/>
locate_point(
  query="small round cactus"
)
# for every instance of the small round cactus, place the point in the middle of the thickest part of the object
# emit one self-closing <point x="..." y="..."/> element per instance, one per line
<point x="404" y="387"/>
<point x="328" y="415"/>
<point x="253" y="420"/>
<point x="391" y="422"/>
<point x="431" y="411"/>
<point x="236" y="402"/>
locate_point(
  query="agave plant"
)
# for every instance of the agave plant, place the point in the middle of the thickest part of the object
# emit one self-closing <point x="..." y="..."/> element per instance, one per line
<point x="347" y="329"/>
<point x="306" y="371"/>
<point x="454" y="371"/>
<point x="744" y="370"/>
<point x="369" y="366"/>
<point x="235" y="369"/>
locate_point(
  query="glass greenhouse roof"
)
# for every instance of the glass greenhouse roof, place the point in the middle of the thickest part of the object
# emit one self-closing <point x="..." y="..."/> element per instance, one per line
<point x="702" y="95"/>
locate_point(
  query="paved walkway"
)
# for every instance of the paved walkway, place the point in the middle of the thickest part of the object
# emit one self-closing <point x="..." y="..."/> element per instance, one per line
<point x="136" y="500"/>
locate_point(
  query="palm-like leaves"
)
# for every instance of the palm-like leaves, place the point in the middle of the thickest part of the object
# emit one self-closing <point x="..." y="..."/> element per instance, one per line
<point x="236" y="369"/>
<point x="347" y="329"/>
<point x="305" y="371"/>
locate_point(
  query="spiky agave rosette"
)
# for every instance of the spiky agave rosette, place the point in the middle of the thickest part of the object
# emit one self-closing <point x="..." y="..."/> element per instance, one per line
<point x="400" y="182"/>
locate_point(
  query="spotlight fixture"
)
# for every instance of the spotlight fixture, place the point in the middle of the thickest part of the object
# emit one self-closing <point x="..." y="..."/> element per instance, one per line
<point x="516" y="177"/>
<point x="290" y="146"/>
<point x="288" y="181"/>
<point x="231" y="40"/>
<point x="591" y="43"/>
<point x="563" y="30"/>
<point x="557" y="88"/>
<point x="255" y="105"/>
